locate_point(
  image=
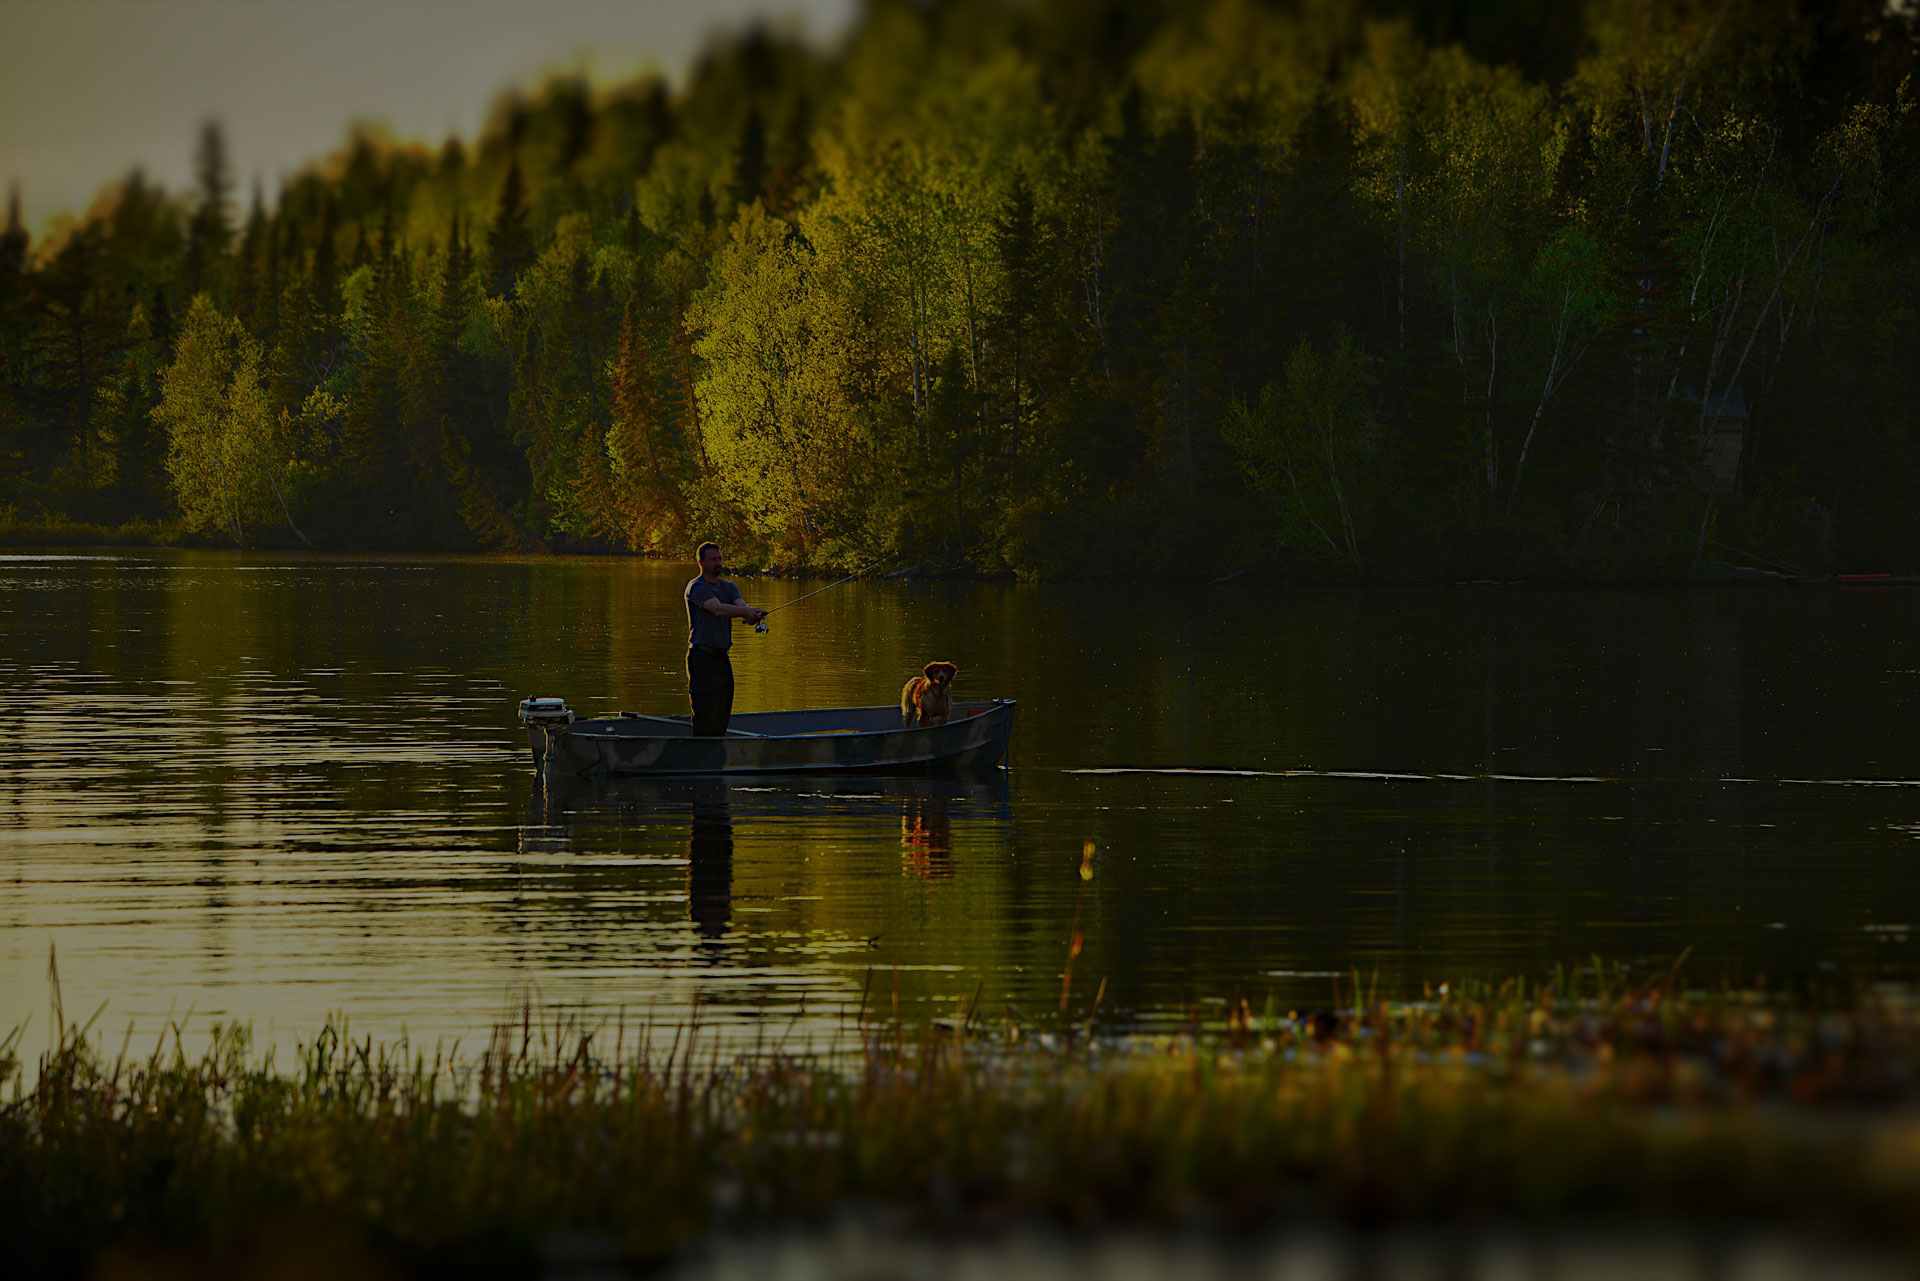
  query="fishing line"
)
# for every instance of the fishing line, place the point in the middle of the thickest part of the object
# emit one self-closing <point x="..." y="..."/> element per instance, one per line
<point x="761" y="626"/>
<point x="1384" y="776"/>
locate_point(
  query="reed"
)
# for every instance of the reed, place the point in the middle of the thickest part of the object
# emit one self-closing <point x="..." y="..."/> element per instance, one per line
<point x="1589" y="1095"/>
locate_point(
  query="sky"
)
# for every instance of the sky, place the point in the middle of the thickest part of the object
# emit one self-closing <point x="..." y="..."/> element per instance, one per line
<point x="91" y="88"/>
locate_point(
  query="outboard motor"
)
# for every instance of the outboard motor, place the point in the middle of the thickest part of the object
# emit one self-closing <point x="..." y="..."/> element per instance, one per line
<point x="541" y="716"/>
<point x="545" y="711"/>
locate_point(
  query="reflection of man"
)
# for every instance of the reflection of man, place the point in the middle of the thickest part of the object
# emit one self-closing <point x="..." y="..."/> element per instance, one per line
<point x="712" y="605"/>
<point x="710" y="860"/>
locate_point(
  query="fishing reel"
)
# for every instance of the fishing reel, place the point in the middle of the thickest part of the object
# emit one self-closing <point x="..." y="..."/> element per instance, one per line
<point x="761" y="628"/>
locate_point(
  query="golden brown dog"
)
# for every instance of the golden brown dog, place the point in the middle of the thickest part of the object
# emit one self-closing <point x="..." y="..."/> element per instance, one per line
<point x="928" y="696"/>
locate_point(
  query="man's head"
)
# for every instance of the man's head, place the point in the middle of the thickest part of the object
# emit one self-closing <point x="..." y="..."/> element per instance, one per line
<point x="709" y="558"/>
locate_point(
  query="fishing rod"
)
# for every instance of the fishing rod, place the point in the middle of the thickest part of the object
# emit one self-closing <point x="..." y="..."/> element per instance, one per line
<point x="762" y="626"/>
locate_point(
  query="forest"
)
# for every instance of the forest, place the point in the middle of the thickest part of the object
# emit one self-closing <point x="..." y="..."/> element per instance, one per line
<point x="1396" y="291"/>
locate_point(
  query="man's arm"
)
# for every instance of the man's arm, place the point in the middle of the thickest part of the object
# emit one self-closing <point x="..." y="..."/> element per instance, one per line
<point x="714" y="605"/>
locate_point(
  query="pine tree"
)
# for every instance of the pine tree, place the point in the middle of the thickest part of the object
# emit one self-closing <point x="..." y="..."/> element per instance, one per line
<point x="13" y="249"/>
<point x="657" y="111"/>
<point x="418" y="328"/>
<point x="253" y="292"/>
<point x="325" y="276"/>
<point x="1049" y="255"/>
<point x="125" y="406"/>
<point x="309" y="345"/>
<point x="576" y="125"/>
<point x="509" y="242"/>
<point x="750" y="160"/>
<point x="74" y="352"/>
<point x="1018" y="239"/>
<point x="790" y="168"/>
<point x="646" y="461"/>
<point x="210" y="234"/>
<point x="484" y="468"/>
<point x="372" y="504"/>
<point x="450" y="302"/>
<point x="16" y="324"/>
<point x="160" y="326"/>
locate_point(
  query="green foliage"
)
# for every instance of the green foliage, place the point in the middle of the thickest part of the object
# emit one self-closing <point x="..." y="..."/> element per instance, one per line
<point x="649" y="468"/>
<point x="769" y="412"/>
<point x="228" y="453"/>
<point x="1589" y="1099"/>
<point x="1308" y="445"/>
<point x="990" y="290"/>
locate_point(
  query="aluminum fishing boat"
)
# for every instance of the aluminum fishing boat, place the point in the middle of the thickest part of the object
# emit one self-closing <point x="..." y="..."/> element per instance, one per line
<point x="821" y="740"/>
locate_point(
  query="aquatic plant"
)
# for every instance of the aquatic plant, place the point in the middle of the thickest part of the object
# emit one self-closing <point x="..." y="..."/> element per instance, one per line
<point x="1589" y="1095"/>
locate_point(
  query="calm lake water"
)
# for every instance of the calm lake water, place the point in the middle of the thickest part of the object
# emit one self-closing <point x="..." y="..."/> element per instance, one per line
<point x="270" y="788"/>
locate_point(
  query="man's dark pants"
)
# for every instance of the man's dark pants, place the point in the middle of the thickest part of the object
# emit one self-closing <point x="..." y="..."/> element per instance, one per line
<point x="710" y="686"/>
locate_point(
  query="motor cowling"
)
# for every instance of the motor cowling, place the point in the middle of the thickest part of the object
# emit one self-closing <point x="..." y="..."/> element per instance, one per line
<point x="545" y="712"/>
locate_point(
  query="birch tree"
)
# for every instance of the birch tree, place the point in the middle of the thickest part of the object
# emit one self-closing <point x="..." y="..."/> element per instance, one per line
<point x="1308" y="443"/>
<point x="1570" y="302"/>
<point x="229" y="454"/>
<point x="771" y="417"/>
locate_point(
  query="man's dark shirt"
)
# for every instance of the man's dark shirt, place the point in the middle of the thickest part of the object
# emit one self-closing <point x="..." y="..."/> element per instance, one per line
<point x="704" y="628"/>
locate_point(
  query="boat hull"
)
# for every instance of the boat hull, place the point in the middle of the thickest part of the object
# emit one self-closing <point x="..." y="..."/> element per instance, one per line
<point x="828" y="740"/>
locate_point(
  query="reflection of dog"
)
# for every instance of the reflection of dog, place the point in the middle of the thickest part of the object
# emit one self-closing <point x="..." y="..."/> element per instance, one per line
<point x="926" y="838"/>
<point x="927" y="697"/>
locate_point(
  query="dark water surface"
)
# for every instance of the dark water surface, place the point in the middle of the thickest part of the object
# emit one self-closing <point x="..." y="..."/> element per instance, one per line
<point x="269" y="788"/>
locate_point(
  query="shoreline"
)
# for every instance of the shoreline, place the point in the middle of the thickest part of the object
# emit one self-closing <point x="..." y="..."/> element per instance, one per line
<point x="1714" y="574"/>
<point x="1592" y="1102"/>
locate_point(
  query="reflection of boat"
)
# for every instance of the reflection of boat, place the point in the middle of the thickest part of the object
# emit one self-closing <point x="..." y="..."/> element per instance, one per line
<point x="563" y="804"/>
<point x="569" y="800"/>
<point x="825" y="740"/>
<point x="928" y="806"/>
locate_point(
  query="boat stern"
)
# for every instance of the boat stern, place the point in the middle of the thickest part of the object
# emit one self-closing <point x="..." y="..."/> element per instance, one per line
<point x="546" y="719"/>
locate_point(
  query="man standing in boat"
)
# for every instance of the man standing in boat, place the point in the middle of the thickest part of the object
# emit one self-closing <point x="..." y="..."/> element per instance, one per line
<point x="712" y="605"/>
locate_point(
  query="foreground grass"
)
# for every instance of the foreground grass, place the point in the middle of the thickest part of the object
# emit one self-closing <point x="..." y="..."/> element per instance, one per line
<point x="1596" y="1100"/>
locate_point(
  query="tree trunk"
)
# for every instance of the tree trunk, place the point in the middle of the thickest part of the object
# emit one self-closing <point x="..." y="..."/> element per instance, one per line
<point x="1400" y="224"/>
<point x="1779" y="281"/>
<point x="1493" y="366"/>
<point x="281" y="498"/>
<point x="1558" y="368"/>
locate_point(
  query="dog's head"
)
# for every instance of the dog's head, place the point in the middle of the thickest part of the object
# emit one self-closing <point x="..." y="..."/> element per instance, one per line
<point x="940" y="674"/>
